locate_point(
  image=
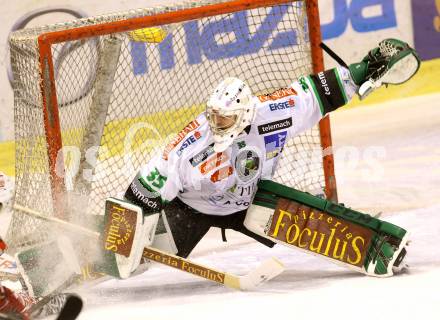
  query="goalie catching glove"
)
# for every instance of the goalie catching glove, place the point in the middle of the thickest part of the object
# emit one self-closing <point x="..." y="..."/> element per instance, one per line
<point x="392" y="62"/>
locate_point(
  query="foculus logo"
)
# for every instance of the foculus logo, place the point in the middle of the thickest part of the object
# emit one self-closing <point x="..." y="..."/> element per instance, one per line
<point x="241" y="144"/>
<point x="312" y="230"/>
<point x="186" y="266"/>
<point x="305" y="87"/>
<point x="119" y="230"/>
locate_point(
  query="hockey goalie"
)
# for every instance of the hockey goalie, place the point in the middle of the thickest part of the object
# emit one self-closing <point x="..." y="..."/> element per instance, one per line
<point x="217" y="171"/>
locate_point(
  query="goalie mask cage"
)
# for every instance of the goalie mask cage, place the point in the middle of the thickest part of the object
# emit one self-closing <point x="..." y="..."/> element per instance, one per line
<point x="127" y="82"/>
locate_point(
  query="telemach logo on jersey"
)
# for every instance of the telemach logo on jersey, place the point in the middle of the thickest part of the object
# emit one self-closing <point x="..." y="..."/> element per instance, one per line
<point x="324" y="83"/>
<point x="275" y="126"/>
<point x="306" y="228"/>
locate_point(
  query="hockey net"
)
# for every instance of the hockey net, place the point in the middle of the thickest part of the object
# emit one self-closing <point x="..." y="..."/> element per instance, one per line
<point x="127" y="82"/>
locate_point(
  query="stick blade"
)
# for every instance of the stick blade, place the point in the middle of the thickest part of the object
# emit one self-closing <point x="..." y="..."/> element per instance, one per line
<point x="71" y="309"/>
<point x="268" y="270"/>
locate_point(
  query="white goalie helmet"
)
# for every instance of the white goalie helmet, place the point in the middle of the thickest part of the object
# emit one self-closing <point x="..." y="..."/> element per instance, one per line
<point x="230" y="109"/>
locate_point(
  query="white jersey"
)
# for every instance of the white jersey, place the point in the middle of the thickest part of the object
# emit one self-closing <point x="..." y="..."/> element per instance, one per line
<point x="226" y="182"/>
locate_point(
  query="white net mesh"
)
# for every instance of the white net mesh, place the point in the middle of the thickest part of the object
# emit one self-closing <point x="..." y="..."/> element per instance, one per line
<point x="156" y="90"/>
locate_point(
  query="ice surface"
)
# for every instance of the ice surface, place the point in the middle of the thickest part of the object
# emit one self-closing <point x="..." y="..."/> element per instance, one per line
<point x="399" y="176"/>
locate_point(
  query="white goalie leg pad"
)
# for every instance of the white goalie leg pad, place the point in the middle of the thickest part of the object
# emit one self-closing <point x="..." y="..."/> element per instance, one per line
<point x="146" y="238"/>
<point x="258" y="219"/>
<point x="163" y="239"/>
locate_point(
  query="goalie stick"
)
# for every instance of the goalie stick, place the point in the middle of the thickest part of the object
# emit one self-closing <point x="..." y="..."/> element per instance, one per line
<point x="71" y="309"/>
<point x="36" y="309"/>
<point x="264" y="272"/>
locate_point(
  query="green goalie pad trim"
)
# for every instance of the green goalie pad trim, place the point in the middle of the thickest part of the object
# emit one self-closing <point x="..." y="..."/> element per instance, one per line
<point x="381" y="252"/>
<point x="269" y="192"/>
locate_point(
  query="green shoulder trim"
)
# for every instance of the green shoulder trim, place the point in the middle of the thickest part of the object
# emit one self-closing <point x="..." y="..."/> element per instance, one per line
<point x="315" y="91"/>
<point x="341" y="86"/>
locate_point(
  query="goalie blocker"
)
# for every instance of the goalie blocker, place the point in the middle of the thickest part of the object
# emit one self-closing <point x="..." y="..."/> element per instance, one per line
<point x="345" y="236"/>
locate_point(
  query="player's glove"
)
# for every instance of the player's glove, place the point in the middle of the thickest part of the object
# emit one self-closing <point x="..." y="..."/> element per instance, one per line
<point x="15" y="305"/>
<point x="392" y="62"/>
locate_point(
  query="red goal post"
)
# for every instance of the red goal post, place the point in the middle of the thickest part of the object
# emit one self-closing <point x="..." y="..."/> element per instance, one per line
<point x="78" y="32"/>
<point x="324" y="125"/>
